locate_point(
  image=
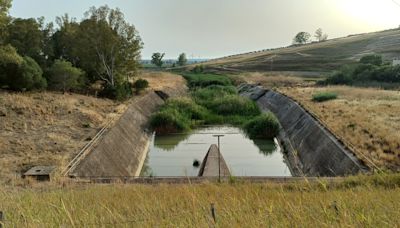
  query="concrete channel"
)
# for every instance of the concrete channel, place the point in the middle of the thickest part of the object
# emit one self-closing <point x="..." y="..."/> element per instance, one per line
<point x="310" y="148"/>
<point x="122" y="148"/>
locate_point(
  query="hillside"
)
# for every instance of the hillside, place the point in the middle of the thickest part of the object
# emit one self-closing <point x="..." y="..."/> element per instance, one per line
<point x="49" y="128"/>
<point x="322" y="57"/>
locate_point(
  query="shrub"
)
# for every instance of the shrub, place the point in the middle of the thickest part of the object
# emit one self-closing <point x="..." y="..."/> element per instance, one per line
<point x="10" y="61"/>
<point x="140" y="85"/>
<point x="234" y="105"/>
<point x="198" y="69"/>
<point x="372" y="59"/>
<point x="65" y="77"/>
<point x="205" y="96"/>
<point x="265" y="126"/>
<point x="324" y="96"/>
<point x="188" y="108"/>
<point x="121" y="91"/>
<point x="169" y="121"/>
<point x="28" y="76"/>
<point x="204" y="80"/>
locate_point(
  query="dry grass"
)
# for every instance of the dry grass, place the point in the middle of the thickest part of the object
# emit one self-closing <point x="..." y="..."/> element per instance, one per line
<point x="48" y="128"/>
<point x="356" y="202"/>
<point x="270" y="80"/>
<point x="162" y="80"/>
<point x="366" y="119"/>
<point x="323" y="56"/>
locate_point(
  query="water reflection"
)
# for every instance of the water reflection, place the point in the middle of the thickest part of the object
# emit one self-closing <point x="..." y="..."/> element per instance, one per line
<point x="173" y="155"/>
<point x="169" y="142"/>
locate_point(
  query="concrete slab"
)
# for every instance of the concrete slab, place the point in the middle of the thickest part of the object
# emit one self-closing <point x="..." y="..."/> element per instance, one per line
<point x="209" y="166"/>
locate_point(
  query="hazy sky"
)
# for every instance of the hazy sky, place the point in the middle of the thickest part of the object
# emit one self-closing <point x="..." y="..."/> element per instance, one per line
<point x="215" y="28"/>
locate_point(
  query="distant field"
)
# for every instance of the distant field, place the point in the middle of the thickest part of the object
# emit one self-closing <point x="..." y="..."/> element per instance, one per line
<point x="365" y="119"/>
<point x="354" y="202"/>
<point x="319" y="57"/>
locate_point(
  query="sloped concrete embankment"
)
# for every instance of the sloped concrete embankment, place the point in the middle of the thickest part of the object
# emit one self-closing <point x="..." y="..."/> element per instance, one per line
<point x="123" y="148"/>
<point x="312" y="150"/>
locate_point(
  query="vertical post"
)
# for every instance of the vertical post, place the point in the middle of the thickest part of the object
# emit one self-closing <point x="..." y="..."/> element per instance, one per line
<point x="213" y="214"/>
<point x="219" y="157"/>
<point x="1" y="219"/>
<point x="219" y="162"/>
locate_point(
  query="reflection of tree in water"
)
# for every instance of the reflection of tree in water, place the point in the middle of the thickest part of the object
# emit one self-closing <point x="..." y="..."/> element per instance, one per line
<point x="169" y="142"/>
<point x="266" y="147"/>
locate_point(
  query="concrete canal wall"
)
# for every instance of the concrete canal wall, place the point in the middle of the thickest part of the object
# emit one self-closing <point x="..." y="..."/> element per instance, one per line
<point x="123" y="148"/>
<point x="311" y="148"/>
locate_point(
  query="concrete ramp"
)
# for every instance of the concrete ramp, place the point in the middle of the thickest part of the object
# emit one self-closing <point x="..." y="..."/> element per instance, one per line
<point x="122" y="149"/>
<point x="209" y="166"/>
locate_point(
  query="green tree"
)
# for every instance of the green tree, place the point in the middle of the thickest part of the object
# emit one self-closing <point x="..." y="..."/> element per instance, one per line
<point x="9" y="63"/>
<point x="63" y="76"/>
<point x="107" y="45"/>
<point x="64" y="40"/>
<point x="25" y="35"/>
<point x="302" y="38"/>
<point x="28" y="76"/>
<point x="156" y="59"/>
<point x="182" y="60"/>
<point x="5" y="5"/>
<point x="320" y="36"/>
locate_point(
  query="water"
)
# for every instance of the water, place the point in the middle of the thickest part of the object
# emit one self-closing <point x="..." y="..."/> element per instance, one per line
<point x="173" y="155"/>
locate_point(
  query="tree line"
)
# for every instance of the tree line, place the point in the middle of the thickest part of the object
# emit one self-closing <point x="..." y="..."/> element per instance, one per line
<point x="69" y="55"/>
<point x="157" y="59"/>
<point x="305" y="37"/>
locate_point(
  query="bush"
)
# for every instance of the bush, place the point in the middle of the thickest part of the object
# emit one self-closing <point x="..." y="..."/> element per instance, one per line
<point x="234" y="105"/>
<point x="204" y="80"/>
<point x="65" y="77"/>
<point x="198" y="69"/>
<point x="121" y="91"/>
<point x="188" y="108"/>
<point x="265" y="126"/>
<point x="10" y="61"/>
<point x="169" y="121"/>
<point x="372" y="59"/>
<point x="205" y="96"/>
<point x="140" y="85"/>
<point x="324" y="96"/>
<point x="28" y="76"/>
<point x="370" y="71"/>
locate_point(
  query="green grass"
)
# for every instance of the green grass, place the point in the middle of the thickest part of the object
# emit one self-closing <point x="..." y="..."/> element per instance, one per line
<point x="178" y="115"/>
<point x="204" y="80"/>
<point x="265" y="126"/>
<point x="324" y="96"/>
<point x="366" y="201"/>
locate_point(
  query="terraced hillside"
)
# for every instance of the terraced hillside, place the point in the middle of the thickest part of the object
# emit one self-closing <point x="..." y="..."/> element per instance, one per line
<point x="324" y="56"/>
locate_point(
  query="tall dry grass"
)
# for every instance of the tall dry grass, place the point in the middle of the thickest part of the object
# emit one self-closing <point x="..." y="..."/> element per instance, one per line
<point x="47" y="128"/>
<point x="365" y="119"/>
<point x="354" y="202"/>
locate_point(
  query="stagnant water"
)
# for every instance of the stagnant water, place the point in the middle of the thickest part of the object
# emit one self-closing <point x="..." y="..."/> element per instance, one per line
<point x="173" y="155"/>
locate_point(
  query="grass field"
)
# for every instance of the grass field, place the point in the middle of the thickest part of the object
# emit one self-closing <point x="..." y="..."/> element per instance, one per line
<point x="354" y="202"/>
<point x="365" y="119"/>
<point x="322" y="57"/>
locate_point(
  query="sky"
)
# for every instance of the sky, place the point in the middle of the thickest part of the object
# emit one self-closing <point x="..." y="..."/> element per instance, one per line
<point x="217" y="28"/>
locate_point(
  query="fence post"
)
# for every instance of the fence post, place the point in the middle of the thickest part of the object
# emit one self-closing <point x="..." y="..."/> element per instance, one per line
<point x="213" y="213"/>
<point x="1" y="219"/>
